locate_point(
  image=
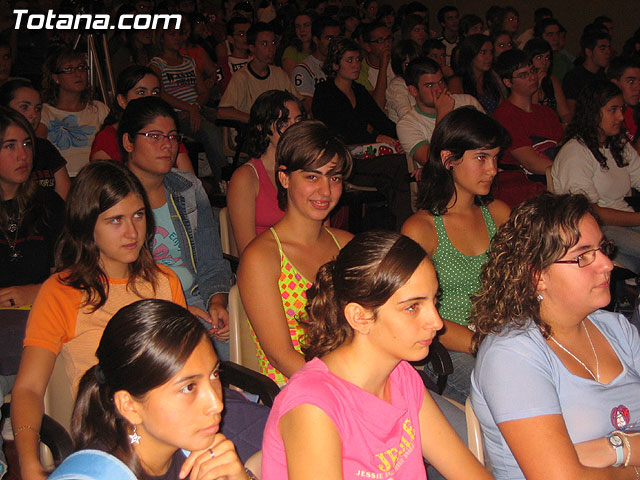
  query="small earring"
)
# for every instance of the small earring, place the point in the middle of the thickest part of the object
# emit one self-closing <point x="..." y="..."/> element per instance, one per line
<point x="539" y="297"/>
<point x="134" y="437"/>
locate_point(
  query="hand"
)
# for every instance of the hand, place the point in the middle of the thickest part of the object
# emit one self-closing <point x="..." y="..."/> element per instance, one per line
<point x="35" y="473"/>
<point x="219" y="461"/>
<point x="19" y="295"/>
<point x="386" y="139"/>
<point x="417" y="174"/>
<point x="384" y="61"/>
<point x="444" y="103"/>
<point x="200" y="313"/>
<point x="219" y="320"/>
<point x="195" y="118"/>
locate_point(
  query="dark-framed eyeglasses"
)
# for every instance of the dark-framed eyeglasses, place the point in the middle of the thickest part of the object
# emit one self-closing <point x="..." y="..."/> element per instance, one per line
<point x="158" y="137"/>
<point x="587" y="258"/>
<point x="79" y="68"/>
<point x="531" y="72"/>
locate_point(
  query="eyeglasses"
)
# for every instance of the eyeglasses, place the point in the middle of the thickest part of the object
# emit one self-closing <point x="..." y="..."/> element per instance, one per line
<point x="441" y="83"/>
<point x="382" y="40"/>
<point x="532" y="71"/>
<point x="158" y="137"/>
<point x="587" y="258"/>
<point x="79" y="68"/>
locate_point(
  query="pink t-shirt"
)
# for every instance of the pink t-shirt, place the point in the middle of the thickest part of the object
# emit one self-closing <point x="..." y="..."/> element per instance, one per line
<point x="380" y="440"/>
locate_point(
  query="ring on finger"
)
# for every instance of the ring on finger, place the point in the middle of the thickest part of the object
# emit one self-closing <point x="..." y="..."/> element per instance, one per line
<point x="12" y="302"/>
<point x="212" y="453"/>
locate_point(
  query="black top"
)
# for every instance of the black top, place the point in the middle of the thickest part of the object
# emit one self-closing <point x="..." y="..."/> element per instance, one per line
<point x="46" y="162"/>
<point x="575" y="80"/>
<point x="36" y="245"/>
<point x="332" y="107"/>
<point x="174" y="469"/>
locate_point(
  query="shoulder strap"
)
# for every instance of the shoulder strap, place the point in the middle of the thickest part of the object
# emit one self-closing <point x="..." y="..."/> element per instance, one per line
<point x="275" y="235"/>
<point x="334" y="238"/>
<point x="255" y="170"/>
<point x="92" y="465"/>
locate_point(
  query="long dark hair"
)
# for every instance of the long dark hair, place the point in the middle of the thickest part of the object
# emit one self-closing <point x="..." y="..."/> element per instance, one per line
<point x="127" y="79"/>
<point x="467" y="51"/>
<point x="267" y="113"/>
<point x="142" y="347"/>
<point x="97" y="188"/>
<point x="367" y="271"/>
<point x="460" y="130"/>
<point x="27" y="190"/>
<point x="585" y="125"/>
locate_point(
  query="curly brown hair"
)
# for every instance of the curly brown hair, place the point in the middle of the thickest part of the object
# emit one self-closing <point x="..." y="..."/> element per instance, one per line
<point x="539" y="231"/>
<point x="367" y="271"/>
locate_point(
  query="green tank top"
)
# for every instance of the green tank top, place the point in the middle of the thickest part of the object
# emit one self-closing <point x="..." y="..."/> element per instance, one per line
<point x="293" y="288"/>
<point x="458" y="274"/>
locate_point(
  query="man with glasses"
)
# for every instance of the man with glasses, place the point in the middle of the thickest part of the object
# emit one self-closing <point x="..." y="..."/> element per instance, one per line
<point x="535" y="129"/>
<point x="306" y="75"/>
<point x="433" y="101"/>
<point x="257" y="77"/>
<point x="233" y="54"/>
<point x="376" y="72"/>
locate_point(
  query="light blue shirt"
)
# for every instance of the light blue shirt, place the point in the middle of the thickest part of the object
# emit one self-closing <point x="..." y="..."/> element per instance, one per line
<point x="518" y="376"/>
<point x="166" y="246"/>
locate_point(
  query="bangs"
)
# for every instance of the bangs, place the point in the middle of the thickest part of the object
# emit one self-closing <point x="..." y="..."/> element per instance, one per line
<point x="341" y="157"/>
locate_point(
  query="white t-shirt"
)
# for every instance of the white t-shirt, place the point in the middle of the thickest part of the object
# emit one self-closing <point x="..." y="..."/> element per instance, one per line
<point x="399" y="100"/>
<point x="73" y="132"/>
<point x="306" y="75"/>
<point x="416" y="127"/>
<point x="576" y="170"/>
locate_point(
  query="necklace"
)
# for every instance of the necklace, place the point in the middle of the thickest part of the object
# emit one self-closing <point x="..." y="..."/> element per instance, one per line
<point x="13" y="227"/>
<point x="596" y="377"/>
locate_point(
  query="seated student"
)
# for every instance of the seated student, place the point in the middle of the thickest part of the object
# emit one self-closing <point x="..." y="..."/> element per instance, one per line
<point x="433" y="101"/>
<point x="474" y="74"/>
<point x="414" y="28"/>
<point x="103" y="262"/>
<point x="502" y="41"/>
<point x="552" y="32"/>
<point x="350" y="20"/>
<point x="134" y="82"/>
<point x="302" y="45"/>
<point x="252" y="197"/>
<point x="276" y="267"/>
<point x="598" y="161"/>
<point x="154" y="399"/>
<point x="49" y="167"/>
<point x="449" y="18"/>
<point x="137" y="49"/>
<point x="307" y="74"/>
<point x="596" y="48"/>
<point x="233" y="53"/>
<point x="456" y="220"/>
<point x="535" y="131"/>
<point x="538" y="15"/>
<point x="358" y="407"/>
<point x="507" y="20"/>
<point x="190" y="48"/>
<point x="375" y="73"/>
<point x="625" y="73"/>
<point x="556" y="386"/>
<point x="183" y="88"/>
<point x="435" y="50"/>
<point x="398" y="100"/>
<point x="350" y="112"/>
<point x="185" y="237"/>
<point x="468" y="25"/>
<point x="259" y="76"/>
<point x="549" y="92"/>
<point x="70" y="118"/>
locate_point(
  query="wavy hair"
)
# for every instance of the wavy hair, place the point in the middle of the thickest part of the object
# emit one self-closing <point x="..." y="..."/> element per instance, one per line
<point x="338" y="47"/>
<point x="539" y="231"/>
<point x="268" y="114"/>
<point x="143" y="346"/>
<point x="460" y="130"/>
<point x="367" y="271"/>
<point x="309" y="145"/>
<point x="98" y="187"/>
<point x="585" y="125"/>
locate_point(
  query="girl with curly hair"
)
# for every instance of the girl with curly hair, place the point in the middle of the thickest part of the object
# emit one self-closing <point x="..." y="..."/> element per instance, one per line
<point x="252" y="196"/>
<point x="555" y="377"/>
<point x="455" y="223"/>
<point x="598" y="161"/>
<point x="358" y="407"/>
<point x="71" y="118"/>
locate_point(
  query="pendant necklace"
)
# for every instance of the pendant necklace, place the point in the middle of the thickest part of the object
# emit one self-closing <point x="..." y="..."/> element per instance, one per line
<point x="596" y="377"/>
<point x="13" y="227"/>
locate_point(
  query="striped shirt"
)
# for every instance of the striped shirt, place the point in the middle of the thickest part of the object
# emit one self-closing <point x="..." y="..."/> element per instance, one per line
<point x="178" y="80"/>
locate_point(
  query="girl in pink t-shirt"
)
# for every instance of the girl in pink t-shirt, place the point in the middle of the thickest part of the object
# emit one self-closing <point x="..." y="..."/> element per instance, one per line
<point x="358" y="409"/>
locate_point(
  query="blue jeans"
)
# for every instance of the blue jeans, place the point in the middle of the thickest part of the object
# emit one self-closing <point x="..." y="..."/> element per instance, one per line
<point x="210" y="137"/>
<point x="627" y="241"/>
<point x="6" y="383"/>
<point x="459" y="382"/>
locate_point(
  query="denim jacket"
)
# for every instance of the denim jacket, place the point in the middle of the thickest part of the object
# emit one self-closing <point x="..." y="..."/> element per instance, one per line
<point x="199" y="237"/>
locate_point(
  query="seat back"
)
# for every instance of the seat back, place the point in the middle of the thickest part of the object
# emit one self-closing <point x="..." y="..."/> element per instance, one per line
<point x="242" y="348"/>
<point x="474" y="432"/>
<point x="226" y="234"/>
<point x="58" y="400"/>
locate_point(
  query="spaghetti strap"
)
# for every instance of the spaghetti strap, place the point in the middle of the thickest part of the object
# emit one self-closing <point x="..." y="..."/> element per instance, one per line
<point x="275" y="235"/>
<point x="334" y="238"/>
<point x="255" y="170"/>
